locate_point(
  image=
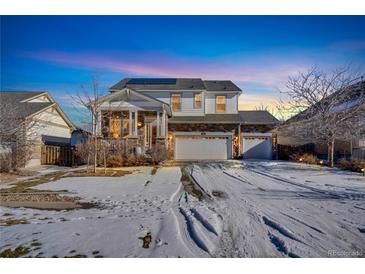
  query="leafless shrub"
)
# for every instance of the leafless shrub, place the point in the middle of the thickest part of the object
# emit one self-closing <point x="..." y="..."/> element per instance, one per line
<point x="306" y="158"/>
<point x="5" y="161"/>
<point x="158" y="154"/>
<point x="114" y="161"/>
<point x="356" y="165"/>
<point x="135" y="160"/>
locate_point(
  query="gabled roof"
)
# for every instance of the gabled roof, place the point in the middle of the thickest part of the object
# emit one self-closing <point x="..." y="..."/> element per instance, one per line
<point x="114" y="96"/>
<point x="171" y="84"/>
<point x="249" y="117"/>
<point x="225" y="85"/>
<point x="19" y="102"/>
<point x="257" y="117"/>
<point x="15" y="100"/>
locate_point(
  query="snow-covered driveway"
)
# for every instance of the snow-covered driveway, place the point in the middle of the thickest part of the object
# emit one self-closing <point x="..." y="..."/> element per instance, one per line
<point x="249" y="209"/>
<point x="274" y="209"/>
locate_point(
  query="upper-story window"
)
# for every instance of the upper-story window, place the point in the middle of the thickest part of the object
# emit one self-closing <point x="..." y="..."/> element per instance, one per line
<point x="176" y="102"/>
<point x="220" y="103"/>
<point x="197" y="100"/>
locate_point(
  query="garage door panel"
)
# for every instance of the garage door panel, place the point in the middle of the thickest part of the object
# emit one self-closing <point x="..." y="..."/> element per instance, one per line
<point x="257" y="148"/>
<point x="202" y="148"/>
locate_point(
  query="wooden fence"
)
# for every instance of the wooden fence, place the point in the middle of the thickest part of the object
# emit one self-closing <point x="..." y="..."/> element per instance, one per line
<point x="57" y="155"/>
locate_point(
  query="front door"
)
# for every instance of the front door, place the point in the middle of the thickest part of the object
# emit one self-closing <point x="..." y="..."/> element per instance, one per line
<point x="150" y="131"/>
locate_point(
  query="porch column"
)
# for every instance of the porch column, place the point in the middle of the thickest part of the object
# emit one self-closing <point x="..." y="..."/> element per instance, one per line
<point x="130" y="123"/>
<point x="136" y="123"/>
<point x="163" y="133"/>
<point x="158" y="125"/>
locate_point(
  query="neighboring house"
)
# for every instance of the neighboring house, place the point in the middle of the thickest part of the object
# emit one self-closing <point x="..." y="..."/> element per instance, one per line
<point x="345" y="147"/>
<point x="79" y="136"/>
<point x="195" y="119"/>
<point x="358" y="143"/>
<point x="37" y="118"/>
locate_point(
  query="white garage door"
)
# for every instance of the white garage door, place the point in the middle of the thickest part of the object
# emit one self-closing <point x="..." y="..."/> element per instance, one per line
<point x="257" y="147"/>
<point x="203" y="147"/>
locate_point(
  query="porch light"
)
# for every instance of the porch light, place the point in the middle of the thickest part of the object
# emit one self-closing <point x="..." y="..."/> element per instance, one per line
<point x="300" y="159"/>
<point x="139" y="124"/>
<point x="321" y="162"/>
<point x="363" y="170"/>
<point x="169" y="137"/>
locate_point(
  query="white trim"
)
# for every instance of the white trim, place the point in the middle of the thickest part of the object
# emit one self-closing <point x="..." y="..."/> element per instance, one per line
<point x="36" y="96"/>
<point x="130" y="124"/>
<point x="136" y="123"/>
<point x="202" y="133"/>
<point x="256" y="134"/>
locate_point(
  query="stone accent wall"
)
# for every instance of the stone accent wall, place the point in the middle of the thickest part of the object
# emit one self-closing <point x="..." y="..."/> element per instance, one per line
<point x="257" y="128"/>
<point x="203" y="127"/>
<point x="219" y="127"/>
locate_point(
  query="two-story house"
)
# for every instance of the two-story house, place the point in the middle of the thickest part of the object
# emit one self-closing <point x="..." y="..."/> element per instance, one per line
<point x="194" y="118"/>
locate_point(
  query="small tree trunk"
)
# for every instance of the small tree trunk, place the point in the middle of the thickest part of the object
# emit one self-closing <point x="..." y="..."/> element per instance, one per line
<point x="104" y="161"/>
<point x="88" y="161"/>
<point x="95" y="153"/>
<point x="331" y="152"/>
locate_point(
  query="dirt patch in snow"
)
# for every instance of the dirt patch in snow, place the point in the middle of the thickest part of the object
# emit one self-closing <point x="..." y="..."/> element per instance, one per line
<point x="16" y="253"/>
<point x="43" y="201"/>
<point x="26" y="185"/>
<point x="10" y="222"/>
<point x="189" y="185"/>
<point x="99" y="173"/>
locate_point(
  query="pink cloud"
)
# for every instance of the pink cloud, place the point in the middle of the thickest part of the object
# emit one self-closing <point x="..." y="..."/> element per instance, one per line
<point x="266" y="73"/>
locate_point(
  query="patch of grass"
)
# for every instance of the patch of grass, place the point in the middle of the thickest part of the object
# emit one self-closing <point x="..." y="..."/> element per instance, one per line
<point x="98" y="256"/>
<point x="10" y="222"/>
<point x="26" y="185"/>
<point x="189" y="186"/>
<point x="7" y="214"/>
<point x="99" y="173"/>
<point x="95" y="252"/>
<point x="154" y="170"/>
<point x="16" y="253"/>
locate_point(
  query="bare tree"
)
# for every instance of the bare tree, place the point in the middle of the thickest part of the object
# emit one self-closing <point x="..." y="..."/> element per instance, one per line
<point x="18" y="133"/>
<point x="327" y="107"/>
<point x="89" y="99"/>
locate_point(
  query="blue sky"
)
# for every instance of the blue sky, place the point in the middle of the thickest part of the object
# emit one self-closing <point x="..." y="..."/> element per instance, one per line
<point x="59" y="53"/>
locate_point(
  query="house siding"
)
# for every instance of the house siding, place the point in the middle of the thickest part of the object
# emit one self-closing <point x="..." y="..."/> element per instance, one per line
<point x="231" y="103"/>
<point x="187" y="101"/>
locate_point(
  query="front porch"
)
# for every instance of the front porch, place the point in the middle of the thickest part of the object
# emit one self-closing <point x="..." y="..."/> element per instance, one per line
<point x="133" y="118"/>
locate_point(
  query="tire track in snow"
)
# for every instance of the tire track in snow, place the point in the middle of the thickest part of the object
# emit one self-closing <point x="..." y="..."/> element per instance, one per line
<point x="303" y="223"/>
<point x="331" y="194"/>
<point x="192" y="232"/>
<point x="282" y="230"/>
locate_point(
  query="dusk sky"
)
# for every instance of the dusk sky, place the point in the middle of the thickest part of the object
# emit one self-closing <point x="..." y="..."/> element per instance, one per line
<point x="258" y="53"/>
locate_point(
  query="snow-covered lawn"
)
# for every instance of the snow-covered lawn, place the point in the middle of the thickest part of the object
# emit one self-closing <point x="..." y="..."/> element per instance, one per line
<point x="265" y="209"/>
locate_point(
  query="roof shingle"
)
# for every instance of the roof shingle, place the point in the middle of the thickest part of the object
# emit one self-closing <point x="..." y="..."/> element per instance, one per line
<point x="251" y="117"/>
<point x="171" y="84"/>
